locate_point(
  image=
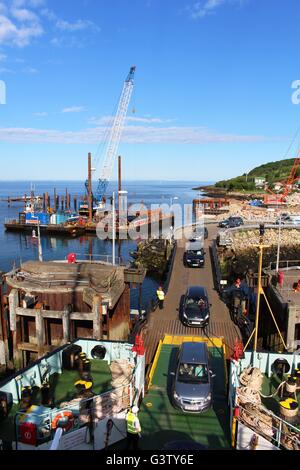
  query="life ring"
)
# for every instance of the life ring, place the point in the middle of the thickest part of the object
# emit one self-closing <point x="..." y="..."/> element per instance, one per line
<point x="59" y="416"/>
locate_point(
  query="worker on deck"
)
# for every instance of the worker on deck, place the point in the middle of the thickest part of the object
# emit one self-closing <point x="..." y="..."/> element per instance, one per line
<point x="161" y="297"/>
<point x="297" y="286"/>
<point x="133" y="428"/>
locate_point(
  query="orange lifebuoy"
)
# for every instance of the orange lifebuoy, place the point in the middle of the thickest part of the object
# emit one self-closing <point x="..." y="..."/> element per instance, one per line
<point x="59" y="416"/>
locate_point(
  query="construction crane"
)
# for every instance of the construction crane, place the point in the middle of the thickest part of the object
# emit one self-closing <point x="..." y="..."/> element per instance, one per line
<point x="115" y="137"/>
<point x="288" y="184"/>
<point x="292" y="177"/>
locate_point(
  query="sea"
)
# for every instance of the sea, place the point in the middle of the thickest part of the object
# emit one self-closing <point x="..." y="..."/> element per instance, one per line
<point x="16" y="248"/>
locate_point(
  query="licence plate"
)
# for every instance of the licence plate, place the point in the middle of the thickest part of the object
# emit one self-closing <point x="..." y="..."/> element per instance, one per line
<point x="195" y="264"/>
<point x="195" y="322"/>
<point x="191" y="407"/>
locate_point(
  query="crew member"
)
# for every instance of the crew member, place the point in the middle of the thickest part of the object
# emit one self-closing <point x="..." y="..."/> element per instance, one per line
<point x="161" y="297"/>
<point x="133" y="428"/>
<point x="297" y="286"/>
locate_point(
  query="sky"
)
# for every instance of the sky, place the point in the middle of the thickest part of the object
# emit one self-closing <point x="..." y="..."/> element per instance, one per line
<point x="216" y="88"/>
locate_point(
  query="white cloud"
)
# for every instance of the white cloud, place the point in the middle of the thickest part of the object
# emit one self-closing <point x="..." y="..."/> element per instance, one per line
<point x="28" y="3"/>
<point x="202" y="8"/>
<point x="21" y="22"/>
<point x="3" y="57"/>
<point x="131" y="135"/>
<point x="78" y="25"/>
<point x="73" y="109"/>
<point x="19" y="35"/>
<point x="22" y="14"/>
<point x="49" y="14"/>
<point x="107" y="120"/>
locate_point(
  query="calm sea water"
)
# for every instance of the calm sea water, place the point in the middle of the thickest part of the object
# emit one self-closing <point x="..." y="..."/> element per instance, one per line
<point x="15" y="247"/>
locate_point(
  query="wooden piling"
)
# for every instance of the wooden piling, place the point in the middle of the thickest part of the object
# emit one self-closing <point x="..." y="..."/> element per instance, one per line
<point x="15" y="327"/>
<point x="97" y="317"/>
<point x="39" y="324"/>
<point x="90" y="187"/>
<point x="54" y="201"/>
<point x="66" y="326"/>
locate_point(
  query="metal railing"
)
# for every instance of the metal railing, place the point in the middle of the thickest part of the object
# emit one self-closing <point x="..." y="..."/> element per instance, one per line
<point x="84" y="411"/>
<point x="101" y="259"/>
<point x="284" y="264"/>
<point x="287" y="285"/>
<point x="268" y="225"/>
<point x="276" y="430"/>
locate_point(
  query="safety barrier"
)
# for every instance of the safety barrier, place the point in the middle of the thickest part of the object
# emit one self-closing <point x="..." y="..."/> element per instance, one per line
<point x="37" y="429"/>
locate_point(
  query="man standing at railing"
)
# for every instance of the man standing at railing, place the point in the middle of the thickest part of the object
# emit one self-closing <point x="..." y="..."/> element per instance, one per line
<point x="133" y="428"/>
<point x="161" y="297"/>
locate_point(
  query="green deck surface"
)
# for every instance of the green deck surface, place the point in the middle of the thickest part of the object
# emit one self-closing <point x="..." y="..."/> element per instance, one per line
<point x="270" y="384"/>
<point x="62" y="385"/>
<point x="162" y="423"/>
<point x="63" y="389"/>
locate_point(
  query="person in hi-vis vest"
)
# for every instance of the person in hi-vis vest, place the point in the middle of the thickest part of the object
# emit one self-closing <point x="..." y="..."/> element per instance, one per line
<point x="161" y="297"/>
<point x="133" y="428"/>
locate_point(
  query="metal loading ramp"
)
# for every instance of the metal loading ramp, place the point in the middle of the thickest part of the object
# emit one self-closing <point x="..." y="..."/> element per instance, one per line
<point x="162" y="424"/>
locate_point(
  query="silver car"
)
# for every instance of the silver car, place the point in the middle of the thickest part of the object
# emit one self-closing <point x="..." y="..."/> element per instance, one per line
<point x="192" y="384"/>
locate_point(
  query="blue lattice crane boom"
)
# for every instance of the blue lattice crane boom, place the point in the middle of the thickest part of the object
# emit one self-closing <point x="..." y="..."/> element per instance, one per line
<point x="115" y="136"/>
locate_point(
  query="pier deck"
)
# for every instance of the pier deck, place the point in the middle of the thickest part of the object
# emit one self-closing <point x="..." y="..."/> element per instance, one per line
<point x="166" y="321"/>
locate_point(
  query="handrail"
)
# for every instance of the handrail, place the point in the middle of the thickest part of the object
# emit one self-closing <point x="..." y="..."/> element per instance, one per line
<point x="75" y="408"/>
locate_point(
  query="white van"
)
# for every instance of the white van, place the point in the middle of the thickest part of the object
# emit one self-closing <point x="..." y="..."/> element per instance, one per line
<point x="289" y="220"/>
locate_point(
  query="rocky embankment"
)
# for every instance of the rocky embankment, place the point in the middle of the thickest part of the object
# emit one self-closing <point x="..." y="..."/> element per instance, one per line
<point x="243" y="255"/>
<point x="152" y="255"/>
<point x="252" y="213"/>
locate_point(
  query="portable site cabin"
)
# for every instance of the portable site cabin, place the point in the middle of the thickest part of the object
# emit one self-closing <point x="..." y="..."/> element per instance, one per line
<point x="73" y="398"/>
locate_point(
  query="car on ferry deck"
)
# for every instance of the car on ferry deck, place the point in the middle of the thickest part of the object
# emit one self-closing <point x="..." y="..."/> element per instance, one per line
<point x="192" y="386"/>
<point x="195" y="307"/>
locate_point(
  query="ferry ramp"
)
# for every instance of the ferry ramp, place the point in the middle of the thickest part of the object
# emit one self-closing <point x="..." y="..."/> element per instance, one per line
<point x="166" y="321"/>
<point x="163" y="426"/>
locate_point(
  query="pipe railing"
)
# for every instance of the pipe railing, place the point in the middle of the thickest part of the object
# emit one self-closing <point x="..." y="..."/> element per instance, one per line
<point x="114" y="396"/>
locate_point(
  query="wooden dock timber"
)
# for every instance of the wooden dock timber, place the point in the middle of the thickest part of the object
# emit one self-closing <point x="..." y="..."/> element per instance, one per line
<point x="166" y="321"/>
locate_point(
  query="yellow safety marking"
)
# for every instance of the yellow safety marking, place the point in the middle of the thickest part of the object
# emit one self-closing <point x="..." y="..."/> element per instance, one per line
<point x="85" y="383"/>
<point x="233" y="432"/>
<point x="287" y="403"/>
<point x="225" y="365"/>
<point x="27" y="412"/>
<point x="177" y="340"/>
<point x="151" y="373"/>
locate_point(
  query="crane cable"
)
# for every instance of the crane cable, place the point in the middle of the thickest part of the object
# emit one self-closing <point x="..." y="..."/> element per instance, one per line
<point x="292" y="142"/>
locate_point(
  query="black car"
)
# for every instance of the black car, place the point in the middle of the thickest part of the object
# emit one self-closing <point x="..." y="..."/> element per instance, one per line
<point x="194" y="258"/>
<point x="194" y="309"/>
<point x="231" y="222"/>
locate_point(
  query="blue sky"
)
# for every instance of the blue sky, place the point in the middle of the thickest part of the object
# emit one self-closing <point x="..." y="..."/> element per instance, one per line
<point x="212" y="96"/>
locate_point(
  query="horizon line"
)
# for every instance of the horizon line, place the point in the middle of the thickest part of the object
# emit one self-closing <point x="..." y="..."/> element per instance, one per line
<point x="113" y="181"/>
